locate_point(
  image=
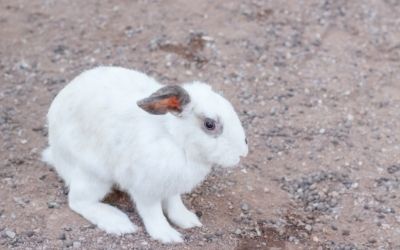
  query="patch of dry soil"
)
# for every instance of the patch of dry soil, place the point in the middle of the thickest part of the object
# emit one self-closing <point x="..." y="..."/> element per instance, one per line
<point x="316" y="83"/>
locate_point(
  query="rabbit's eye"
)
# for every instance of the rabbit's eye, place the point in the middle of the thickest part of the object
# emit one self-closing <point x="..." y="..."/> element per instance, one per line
<point x="209" y="124"/>
<point x="211" y="127"/>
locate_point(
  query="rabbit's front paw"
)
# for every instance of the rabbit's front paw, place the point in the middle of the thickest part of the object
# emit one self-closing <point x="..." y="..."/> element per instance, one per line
<point x="123" y="227"/>
<point x="155" y="222"/>
<point x="165" y="234"/>
<point x="184" y="218"/>
<point x="116" y="223"/>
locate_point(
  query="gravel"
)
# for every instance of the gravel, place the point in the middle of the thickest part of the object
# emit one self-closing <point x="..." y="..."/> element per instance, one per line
<point x="340" y="246"/>
<point x="314" y="82"/>
<point x="318" y="191"/>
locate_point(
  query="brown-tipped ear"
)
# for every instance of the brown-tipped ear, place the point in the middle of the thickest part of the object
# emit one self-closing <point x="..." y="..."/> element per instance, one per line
<point x="167" y="99"/>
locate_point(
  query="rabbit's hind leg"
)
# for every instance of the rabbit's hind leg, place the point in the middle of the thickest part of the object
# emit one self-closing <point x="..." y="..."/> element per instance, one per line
<point x="85" y="195"/>
<point x="61" y="161"/>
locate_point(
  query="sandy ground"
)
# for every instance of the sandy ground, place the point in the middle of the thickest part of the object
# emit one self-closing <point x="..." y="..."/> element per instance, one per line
<point x="316" y="83"/>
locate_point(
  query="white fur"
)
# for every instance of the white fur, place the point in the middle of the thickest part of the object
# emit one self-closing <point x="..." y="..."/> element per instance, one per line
<point x="99" y="137"/>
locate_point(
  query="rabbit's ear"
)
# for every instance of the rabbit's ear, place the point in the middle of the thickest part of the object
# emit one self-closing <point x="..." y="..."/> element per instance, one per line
<point x="167" y="99"/>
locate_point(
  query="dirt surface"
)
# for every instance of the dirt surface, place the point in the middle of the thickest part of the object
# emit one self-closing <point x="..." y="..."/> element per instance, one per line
<point x="316" y="83"/>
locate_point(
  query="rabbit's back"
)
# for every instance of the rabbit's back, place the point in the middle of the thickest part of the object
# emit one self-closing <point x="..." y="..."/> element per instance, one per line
<point x="105" y="86"/>
<point x="92" y="117"/>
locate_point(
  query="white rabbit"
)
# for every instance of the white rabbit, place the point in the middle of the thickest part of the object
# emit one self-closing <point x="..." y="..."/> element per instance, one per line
<point x="114" y="126"/>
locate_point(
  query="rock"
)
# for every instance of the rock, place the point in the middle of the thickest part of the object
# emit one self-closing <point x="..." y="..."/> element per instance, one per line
<point x="21" y="202"/>
<point x="244" y="207"/>
<point x="346" y="232"/>
<point x="62" y="236"/>
<point x="52" y="204"/>
<point x="293" y="239"/>
<point x="23" y="65"/>
<point x="76" y="244"/>
<point x="238" y="231"/>
<point x="209" y="237"/>
<point x="60" y="49"/>
<point x="29" y="233"/>
<point x="199" y="213"/>
<point x="219" y="233"/>
<point x="393" y="169"/>
<point x="10" y="234"/>
<point x="68" y="243"/>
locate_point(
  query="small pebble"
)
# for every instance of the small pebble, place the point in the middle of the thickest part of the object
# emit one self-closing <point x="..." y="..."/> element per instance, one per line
<point x="199" y="214"/>
<point x="208" y="237"/>
<point x="10" y="234"/>
<point x="52" y="204"/>
<point x="62" y="236"/>
<point x="68" y="243"/>
<point x="219" y="233"/>
<point x="29" y="233"/>
<point x="76" y="244"/>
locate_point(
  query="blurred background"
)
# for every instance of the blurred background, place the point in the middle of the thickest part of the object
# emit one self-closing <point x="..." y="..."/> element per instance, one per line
<point x="316" y="84"/>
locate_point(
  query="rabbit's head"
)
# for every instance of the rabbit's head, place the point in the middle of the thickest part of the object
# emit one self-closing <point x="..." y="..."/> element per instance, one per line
<point x="203" y="122"/>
